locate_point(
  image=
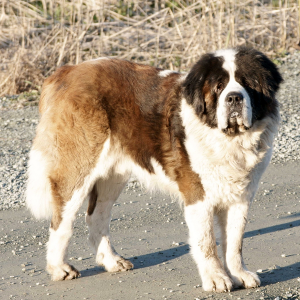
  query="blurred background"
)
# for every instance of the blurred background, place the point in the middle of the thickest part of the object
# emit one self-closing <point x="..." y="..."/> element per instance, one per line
<point x="36" y="37"/>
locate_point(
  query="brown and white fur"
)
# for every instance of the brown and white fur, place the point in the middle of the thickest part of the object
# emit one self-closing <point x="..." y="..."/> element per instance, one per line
<point x="205" y="136"/>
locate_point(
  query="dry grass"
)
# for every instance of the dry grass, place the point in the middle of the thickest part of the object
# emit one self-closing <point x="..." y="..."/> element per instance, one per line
<point x="36" y="37"/>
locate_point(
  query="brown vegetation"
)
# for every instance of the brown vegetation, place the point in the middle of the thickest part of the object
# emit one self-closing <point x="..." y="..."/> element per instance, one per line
<point x="36" y="37"/>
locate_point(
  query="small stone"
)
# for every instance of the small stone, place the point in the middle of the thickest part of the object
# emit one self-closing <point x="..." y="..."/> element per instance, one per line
<point x="275" y="267"/>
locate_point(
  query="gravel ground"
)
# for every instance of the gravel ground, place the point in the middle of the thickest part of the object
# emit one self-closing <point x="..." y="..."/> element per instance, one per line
<point x="17" y="129"/>
<point x="287" y="144"/>
<point x="151" y="232"/>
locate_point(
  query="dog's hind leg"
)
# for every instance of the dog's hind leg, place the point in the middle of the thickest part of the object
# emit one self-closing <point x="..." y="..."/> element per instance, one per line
<point x="61" y="229"/>
<point x="102" y="198"/>
<point x="58" y="244"/>
<point x="49" y="192"/>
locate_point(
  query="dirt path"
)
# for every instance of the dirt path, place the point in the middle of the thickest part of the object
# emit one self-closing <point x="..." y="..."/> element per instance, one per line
<point x="153" y="235"/>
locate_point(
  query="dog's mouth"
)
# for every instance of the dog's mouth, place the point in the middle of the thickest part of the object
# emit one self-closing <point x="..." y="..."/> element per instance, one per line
<point x="235" y="124"/>
<point x="234" y="118"/>
<point x="234" y="115"/>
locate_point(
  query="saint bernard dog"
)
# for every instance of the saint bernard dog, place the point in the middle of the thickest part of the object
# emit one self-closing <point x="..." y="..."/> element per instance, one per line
<point x="205" y="136"/>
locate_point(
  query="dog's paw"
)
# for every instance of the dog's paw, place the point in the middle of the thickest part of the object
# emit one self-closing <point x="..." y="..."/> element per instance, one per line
<point x="62" y="272"/>
<point x="217" y="281"/>
<point x="245" y="278"/>
<point x="114" y="263"/>
<point x="120" y="266"/>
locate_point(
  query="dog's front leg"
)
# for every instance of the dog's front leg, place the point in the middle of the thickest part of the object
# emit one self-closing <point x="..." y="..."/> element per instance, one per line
<point x="199" y="218"/>
<point x="234" y="220"/>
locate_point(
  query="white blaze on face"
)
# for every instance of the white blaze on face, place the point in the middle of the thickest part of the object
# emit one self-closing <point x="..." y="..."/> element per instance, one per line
<point x="232" y="86"/>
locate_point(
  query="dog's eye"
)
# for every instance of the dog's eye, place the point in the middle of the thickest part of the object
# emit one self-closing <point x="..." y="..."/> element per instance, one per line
<point x="219" y="86"/>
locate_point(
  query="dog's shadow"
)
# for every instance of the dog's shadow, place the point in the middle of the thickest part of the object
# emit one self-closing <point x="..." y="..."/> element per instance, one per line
<point x="156" y="258"/>
<point x="162" y="256"/>
<point x="280" y="275"/>
<point x="283" y="273"/>
<point x="273" y="228"/>
<point x="147" y="260"/>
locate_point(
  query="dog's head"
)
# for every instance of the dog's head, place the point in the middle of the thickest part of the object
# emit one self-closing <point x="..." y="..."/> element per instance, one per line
<point x="232" y="89"/>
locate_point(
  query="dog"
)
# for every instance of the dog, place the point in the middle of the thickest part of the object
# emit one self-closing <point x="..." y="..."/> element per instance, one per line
<point x="205" y="136"/>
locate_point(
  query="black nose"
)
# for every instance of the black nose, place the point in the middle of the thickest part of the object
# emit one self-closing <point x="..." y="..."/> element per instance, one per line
<point x="234" y="98"/>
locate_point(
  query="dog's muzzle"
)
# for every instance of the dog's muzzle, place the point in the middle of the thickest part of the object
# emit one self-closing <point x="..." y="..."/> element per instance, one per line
<point x="234" y="102"/>
<point x="234" y="110"/>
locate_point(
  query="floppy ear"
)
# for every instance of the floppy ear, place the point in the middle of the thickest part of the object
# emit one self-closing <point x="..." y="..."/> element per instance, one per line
<point x="194" y="84"/>
<point x="263" y="80"/>
<point x="269" y="81"/>
<point x="271" y="78"/>
<point x="262" y="70"/>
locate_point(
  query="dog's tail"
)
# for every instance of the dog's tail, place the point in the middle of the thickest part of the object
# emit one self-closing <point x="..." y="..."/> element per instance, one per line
<point x="38" y="193"/>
